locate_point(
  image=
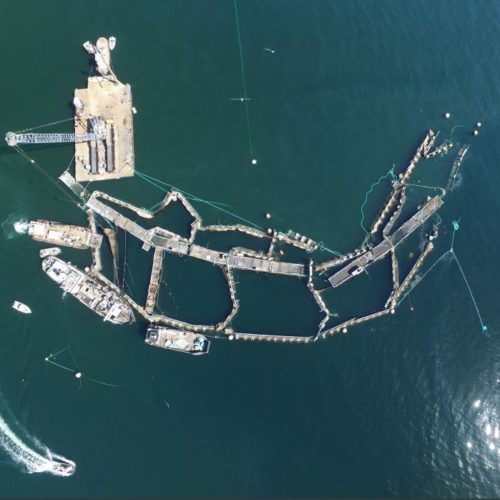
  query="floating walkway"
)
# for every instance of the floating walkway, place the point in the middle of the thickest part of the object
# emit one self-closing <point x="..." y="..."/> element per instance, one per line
<point x="68" y="180"/>
<point x="387" y="245"/>
<point x="172" y="243"/>
<point x="244" y="263"/>
<point x="154" y="282"/>
<point x="318" y="299"/>
<point x="455" y="169"/>
<point x="393" y="301"/>
<point x="95" y="250"/>
<point x="283" y="339"/>
<point x="343" y="328"/>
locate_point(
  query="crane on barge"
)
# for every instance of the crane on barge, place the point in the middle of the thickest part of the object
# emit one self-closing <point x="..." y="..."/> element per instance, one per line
<point x="97" y="133"/>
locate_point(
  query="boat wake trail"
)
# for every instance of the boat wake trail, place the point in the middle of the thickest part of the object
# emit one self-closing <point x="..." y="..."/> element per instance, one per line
<point x="30" y="460"/>
<point x="14" y="225"/>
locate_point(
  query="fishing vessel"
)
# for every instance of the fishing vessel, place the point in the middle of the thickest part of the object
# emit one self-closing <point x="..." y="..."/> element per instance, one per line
<point x="19" y="306"/>
<point x="177" y="340"/>
<point x="96" y="296"/>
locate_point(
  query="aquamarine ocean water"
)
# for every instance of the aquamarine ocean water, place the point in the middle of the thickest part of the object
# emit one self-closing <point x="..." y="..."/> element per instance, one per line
<point x="405" y="406"/>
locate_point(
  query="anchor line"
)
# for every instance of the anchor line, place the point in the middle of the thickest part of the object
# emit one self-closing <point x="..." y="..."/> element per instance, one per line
<point x="40" y="169"/>
<point x="389" y="174"/>
<point x="451" y="251"/>
<point x="243" y="81"/>
<point x="157" y="183"/>
<point x="37" y="127"/>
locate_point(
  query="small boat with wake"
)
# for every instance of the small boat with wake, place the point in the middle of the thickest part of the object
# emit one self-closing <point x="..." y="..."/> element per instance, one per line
<point x="63" y="467"/>
<point x="19" y="306"/>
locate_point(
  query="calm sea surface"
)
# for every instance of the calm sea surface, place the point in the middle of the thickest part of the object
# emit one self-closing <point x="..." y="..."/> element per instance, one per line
<point x="405" y="406"/>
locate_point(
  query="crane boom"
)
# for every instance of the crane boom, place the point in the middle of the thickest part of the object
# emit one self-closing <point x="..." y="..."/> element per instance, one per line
<point x="31" y="138"/>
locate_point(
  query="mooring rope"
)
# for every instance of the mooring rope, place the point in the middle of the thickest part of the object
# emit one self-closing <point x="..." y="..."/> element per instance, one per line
<point x="243" y="81"/>
<point x="157" y="183"/>
<point x="323" y="248"/>
<point x="390" y="174"/>
<point x="44" y="126"/>
<point x="32" y="162"/>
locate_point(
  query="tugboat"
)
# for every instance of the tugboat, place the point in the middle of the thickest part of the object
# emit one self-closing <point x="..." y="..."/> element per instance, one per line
<point x="19" y="306"/>
<point x="177" y="340"/>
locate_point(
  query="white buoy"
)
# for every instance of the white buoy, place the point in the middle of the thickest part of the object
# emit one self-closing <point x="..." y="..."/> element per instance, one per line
<point x="476" y="132"/>
<point x="254" y="161"/>
<point x="78" y="374"/>
<point x="269" y="230"/>
<point x="344" y="330"/>
<point x="231" y="337"/>
<point x="268" y="215"/>
<point x="393" y="311"/>
<point x="478" y="124"/>
<point x="447" y="115"/>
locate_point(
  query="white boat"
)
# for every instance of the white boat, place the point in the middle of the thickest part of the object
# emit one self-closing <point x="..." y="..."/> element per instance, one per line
<point x="89" y="47"/>
<point x="45" y="252"/>
<point x="19" y="306"/>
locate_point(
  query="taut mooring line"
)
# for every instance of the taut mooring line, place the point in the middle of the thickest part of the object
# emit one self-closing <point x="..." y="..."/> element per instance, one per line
<point x="157" y="183"/>
<point x="451" y="251"/>
<point x="243" y="81"/>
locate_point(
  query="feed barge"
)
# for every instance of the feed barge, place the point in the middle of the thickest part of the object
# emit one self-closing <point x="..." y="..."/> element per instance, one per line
<point x="98" y="297"/>
<point x="177" y="340"/>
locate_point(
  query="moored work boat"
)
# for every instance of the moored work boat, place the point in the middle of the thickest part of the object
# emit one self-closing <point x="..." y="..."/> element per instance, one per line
<point x="45" y="252"/>
<point x="177" y="340"/>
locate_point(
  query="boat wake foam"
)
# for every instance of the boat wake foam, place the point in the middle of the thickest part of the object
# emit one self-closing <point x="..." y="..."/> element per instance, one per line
<point x="21" y="227"/>
<point x="14" y="225"/>
<point x="30" y="460"/>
